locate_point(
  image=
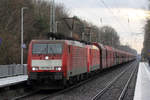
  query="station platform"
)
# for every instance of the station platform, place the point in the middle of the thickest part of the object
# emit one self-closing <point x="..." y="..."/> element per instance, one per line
<point x="8" y="81"/>
<point x="142" y="89"/>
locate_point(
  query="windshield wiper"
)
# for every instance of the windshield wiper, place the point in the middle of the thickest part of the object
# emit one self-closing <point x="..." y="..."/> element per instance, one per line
<point x="52" y="51"/>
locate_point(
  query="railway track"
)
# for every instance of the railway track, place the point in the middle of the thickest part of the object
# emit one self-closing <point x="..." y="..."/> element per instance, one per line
<point x="26" y="95"/>
<point x="117" y="88"/>
<point x="37" y="95"/>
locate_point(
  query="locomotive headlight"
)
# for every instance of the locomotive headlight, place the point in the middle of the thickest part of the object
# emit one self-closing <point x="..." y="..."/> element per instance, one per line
<point x="46" y="57"/>
<point x="59" y="68"/>
<point x="33" y="68"/>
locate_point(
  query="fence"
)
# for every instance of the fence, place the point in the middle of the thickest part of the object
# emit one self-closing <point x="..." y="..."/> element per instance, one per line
<point x="12" y="70"/>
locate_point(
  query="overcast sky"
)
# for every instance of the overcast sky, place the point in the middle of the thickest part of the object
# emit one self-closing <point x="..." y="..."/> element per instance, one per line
<point x="127" y="17"/>
<point x="110" y="3"/>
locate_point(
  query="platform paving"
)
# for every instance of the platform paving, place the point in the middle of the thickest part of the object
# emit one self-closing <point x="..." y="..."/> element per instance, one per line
<point x="142" y="89"/>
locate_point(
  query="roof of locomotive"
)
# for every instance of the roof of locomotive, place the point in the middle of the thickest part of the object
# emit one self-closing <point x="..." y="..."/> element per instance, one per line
<point x="69" y="42"/>
<point x="38" y="41"/>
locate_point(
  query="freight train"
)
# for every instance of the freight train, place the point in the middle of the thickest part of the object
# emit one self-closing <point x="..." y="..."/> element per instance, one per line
<point x="59" y="63"/>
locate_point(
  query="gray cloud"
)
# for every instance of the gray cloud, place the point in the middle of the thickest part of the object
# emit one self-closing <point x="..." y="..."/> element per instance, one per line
<point x="140" y="4"/>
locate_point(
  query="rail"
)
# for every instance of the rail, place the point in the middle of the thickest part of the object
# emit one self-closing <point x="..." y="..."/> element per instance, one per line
<point x="100" y="93"/>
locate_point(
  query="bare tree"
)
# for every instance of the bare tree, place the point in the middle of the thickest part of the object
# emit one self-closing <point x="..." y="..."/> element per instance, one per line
<point x="109" y="36"/>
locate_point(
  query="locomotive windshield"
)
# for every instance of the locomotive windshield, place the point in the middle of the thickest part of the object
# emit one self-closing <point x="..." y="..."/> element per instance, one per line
<point x="47" y="49"/>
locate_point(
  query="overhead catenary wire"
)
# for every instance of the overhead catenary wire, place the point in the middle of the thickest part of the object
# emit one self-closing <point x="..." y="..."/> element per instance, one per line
<point x="129" y="22"/>
<point x="115" y="17"/>
<point x="128" y="19"/>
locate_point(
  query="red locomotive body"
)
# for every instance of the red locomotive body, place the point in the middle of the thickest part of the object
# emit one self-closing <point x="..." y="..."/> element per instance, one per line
<point x="77" y="62"/>
<point x="46" y="61"/>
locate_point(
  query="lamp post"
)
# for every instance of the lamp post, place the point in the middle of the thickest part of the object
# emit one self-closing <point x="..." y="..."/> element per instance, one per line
<point x="22" y="13"/>
<point x="56" y="26"/>
<point x="52" y="17"/>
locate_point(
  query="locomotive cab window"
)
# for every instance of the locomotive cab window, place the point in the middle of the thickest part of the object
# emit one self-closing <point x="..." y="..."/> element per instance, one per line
<point x="54" y="48"/>
<point x="47" y="49"/>
<point x="39" y="48"/>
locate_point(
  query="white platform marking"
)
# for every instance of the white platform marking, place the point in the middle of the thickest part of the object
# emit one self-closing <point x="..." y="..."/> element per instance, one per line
<point x="12" y="80"/>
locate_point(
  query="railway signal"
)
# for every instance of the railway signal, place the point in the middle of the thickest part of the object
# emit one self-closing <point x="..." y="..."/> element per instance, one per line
<point x="23" y="46"/>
